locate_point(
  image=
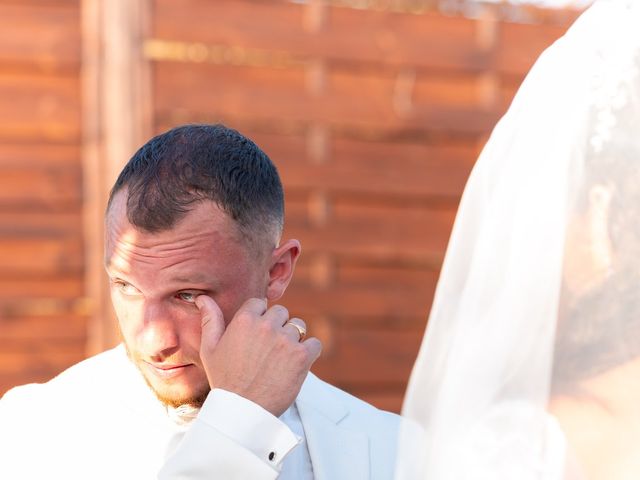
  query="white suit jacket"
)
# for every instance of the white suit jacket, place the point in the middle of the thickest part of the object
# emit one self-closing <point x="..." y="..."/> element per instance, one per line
<point x="99" y="420"/>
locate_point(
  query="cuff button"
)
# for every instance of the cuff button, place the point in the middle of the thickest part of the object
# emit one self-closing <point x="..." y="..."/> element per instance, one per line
<point x="272" y="456"/>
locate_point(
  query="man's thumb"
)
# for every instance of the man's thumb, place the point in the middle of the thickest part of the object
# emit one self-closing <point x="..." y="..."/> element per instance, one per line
<point x="212" y="321"/>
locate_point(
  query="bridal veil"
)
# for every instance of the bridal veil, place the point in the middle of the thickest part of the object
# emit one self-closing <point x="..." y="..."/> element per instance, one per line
<point x="530" y="366"/>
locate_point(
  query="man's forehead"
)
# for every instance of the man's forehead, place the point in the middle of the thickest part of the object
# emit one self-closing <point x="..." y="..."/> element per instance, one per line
<point x="175" y="263"/>
<point x="205" y="222"/>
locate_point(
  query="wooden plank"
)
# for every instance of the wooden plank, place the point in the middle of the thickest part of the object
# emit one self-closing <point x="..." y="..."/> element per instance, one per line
<point x="519" y="45"/>
<point x="385" y="38"/>
<point x="458" y="90"/>
<point x="376" y="168"/>
<point x="395" y="39"/>
<point x="32" y="306"/>
<point x="57" y="286"/>
<point x="439" y="101"/>
<point x="33" y="331"/>
<point x="357" y="95"/>
<point x="378" y="302"/>
<point x="192" y="93"/>
<point x="39" y="107"/>
<point x="348" y="272"/>
<point x="365" y="296"/>
<point x="284" y="86"/>
<point x="389" y="400"/>
<point x="369" y="356"/>
<point x="68" y="3"/>
<point x="43" y="35"/>
<point x="352" y="273"/>
<point x="37" y="364"/>
<point x="508" y="88"/>
<point x="39" y="225"/>
<point x="39" y="171"/>
<point x="40" y="243"/>
<point x="396" y="233"/>
<point x="40" y="256"/>
<point x="116" y="120"/>
<point x="39" y="155"/>
<point x="404" y="39"/>
<point x="51" y="188"/>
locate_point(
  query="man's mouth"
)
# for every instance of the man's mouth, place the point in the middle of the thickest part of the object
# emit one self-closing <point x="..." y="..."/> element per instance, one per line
<point x="166" y="370"/>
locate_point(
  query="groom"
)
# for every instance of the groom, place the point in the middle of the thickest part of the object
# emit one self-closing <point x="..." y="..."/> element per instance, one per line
<point x="212" y="379"/>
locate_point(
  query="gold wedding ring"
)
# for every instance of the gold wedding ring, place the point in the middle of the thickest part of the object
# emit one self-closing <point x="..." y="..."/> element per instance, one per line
<point x="302" y="331"/>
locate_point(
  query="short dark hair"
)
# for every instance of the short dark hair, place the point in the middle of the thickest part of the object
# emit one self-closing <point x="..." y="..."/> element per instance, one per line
<point x="188" y="164"/>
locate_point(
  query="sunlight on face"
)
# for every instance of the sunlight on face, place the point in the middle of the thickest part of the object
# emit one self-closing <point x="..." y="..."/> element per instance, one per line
<point x="154" y="280"/>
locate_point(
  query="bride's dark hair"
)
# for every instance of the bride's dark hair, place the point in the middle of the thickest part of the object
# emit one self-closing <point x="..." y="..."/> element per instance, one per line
<point x="600" y="329"/>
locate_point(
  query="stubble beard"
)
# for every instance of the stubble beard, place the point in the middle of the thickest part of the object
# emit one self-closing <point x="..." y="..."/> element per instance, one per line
<point x="194" y="400"/>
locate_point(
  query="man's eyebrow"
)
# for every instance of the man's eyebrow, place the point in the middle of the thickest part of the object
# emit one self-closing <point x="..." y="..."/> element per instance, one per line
<point x="112" y="271"/>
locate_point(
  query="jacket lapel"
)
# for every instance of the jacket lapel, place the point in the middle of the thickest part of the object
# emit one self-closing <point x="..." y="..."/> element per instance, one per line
<point x="336" y="452"/>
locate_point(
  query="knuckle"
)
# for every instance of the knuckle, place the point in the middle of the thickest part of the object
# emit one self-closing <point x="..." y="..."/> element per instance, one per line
<point x="258" y="304"/>
<point x="299" y="353"/>
<point x="264" y="327"/>
<point x="247" y="324"/>
<point x="280" y="311"/>
<point x="243" y="318"/>
<point x="283" y="342"/>
<point x="247" y="313"/>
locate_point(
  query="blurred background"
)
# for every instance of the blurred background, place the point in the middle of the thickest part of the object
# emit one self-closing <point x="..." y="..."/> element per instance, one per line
<point x="374" y="112"/>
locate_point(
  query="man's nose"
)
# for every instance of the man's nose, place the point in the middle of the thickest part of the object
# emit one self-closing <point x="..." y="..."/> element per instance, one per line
<point x="160" y="334"/>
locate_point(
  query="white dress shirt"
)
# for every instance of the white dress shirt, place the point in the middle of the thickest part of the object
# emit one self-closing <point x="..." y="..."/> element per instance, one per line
<point x="280" y="442"/>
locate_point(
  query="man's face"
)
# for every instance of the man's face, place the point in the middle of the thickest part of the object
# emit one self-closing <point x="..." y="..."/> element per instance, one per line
<point x="155" y="278"/>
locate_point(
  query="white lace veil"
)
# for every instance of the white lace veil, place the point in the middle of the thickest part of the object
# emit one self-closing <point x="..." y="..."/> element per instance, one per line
<point x="528" y="365"/>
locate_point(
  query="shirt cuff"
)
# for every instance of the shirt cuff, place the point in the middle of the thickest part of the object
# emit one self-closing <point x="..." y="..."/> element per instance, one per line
<point x="249" y="425"/>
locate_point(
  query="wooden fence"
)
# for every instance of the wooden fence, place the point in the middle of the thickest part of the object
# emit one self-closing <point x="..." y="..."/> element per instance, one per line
<point x="374" y="119"/>
<point x="42" y="320"/>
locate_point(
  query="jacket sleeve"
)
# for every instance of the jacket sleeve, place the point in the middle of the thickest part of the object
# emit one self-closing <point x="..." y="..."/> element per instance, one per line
<point x="21" y="451"/>
<point x="232" y="438"/>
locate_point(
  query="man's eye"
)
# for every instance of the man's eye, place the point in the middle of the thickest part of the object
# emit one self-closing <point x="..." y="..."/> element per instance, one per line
<point x="126" y="288"/>
<point x="189" y="297"/>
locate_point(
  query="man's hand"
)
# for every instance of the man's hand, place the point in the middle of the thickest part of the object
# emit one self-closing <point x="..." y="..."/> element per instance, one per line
<point x="259" y="356"/>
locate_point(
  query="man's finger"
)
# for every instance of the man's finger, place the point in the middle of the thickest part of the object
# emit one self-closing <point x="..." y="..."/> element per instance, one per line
<point x="256" y="306"/>
<point x="314" y="349"/>
<point x="213" y="325"/>
<point x="278" y="315"/>
<point x="295" y="329"/>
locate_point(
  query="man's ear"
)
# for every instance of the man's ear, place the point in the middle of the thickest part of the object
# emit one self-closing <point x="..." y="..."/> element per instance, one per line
<point x="283" y="262"/>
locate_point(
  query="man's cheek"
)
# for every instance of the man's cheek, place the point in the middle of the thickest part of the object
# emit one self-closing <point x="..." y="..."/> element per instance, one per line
<point x="126" y="320"/>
